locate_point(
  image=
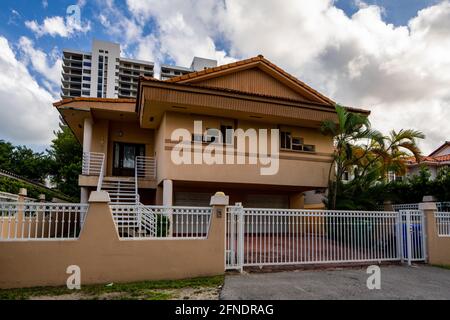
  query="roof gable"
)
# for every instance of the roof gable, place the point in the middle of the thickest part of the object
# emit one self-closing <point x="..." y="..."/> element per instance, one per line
<point x="255" y="75"/>
<point x="442" y="150"/>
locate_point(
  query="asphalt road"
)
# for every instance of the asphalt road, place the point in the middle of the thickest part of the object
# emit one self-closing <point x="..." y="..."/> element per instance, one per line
<point x="397" y="282"/>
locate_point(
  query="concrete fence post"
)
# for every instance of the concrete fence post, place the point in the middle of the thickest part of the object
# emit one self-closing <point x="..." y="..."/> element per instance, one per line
<point x="42" y="198"/>
<point x="20" y="219"/>
<point x="219" y="203"/>
<point x="388" y="206"/>
<point x="430" y="232"/>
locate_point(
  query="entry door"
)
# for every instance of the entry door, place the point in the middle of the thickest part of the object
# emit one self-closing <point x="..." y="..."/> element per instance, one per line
<point x="125" y="157"/>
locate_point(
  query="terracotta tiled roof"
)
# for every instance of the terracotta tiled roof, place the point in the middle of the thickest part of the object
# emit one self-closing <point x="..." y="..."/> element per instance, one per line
<point x="259" y="58"/>
<point x="437" y="159"/>
<point x="86" y="99"/>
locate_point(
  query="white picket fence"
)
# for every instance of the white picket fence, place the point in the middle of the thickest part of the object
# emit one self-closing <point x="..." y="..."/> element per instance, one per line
<point x="259" y="237"/>
<point x="41" y="221"/>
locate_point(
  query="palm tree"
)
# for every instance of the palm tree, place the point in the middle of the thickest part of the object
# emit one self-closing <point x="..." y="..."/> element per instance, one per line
<point x="366" y="152"/>
<point x="349" y="129"/>
<point x="391" y="152"/>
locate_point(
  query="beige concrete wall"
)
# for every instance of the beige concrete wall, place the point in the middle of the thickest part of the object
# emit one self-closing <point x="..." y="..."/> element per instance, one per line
<point x="104" y="258"/>
<point x="295" y="168"/>
<point x="100" y="130"/>
<point x="438" y="248"/>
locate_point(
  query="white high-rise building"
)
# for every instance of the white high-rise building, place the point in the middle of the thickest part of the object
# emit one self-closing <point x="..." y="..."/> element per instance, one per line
<point x="103" y="73"/>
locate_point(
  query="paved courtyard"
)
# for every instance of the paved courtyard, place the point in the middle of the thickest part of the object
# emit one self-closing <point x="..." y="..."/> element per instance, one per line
<point x="397" y="282"/>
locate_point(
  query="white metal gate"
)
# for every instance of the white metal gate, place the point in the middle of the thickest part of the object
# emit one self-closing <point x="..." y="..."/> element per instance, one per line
<point x="413" y="239"/>
<point x="258" y="237"/>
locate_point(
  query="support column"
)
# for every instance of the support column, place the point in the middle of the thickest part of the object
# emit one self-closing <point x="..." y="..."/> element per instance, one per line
<point x="168" y="193"/>
<point x="87" y="135"/>
<point x="87" y="142"/>
<point x="84" y="195"/>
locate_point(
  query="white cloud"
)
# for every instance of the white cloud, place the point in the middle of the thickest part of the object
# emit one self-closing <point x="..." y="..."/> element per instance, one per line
<point x="401" y="73"/>
<point x="65" y="27"/>
<point x="177" y="33"/>
<point x="45" y="4"/>
<point x="26" y="112"/>
<point x="39" y="60"/>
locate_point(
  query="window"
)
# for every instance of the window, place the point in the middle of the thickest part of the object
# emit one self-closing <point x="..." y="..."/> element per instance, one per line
<point x="86" y="78"/>
<point x="294" y="143"/>
<point x="309" y="148"/>
<point x="391" y="176"/>
<point x="285" y="140"/>
<point x="346" y="176"/>
<point x="86" y="85"/>
<point x="212" y="135"/>
<point x="197" y="138"/>
<point x="297" y="144"/>
<point x="227" y="134"/>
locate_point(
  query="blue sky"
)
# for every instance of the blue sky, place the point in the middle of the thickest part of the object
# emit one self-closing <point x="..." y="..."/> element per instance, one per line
<point x="397" y="12"/>
<point x="383" y="55"/>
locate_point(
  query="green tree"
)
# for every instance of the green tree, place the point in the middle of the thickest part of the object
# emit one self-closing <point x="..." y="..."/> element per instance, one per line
<point x="368" y="156"/>
<point x="441" y="185"/>
<point x="24" y="162"/>
<point x="65" y="153"/>
<point x="6" y="150"/>
<point x="349" y="129"/>
<point x="389" y="152"/>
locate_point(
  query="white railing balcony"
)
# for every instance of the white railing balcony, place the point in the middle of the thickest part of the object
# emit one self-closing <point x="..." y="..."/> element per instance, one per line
<point x="92" y="163"/>
<point x="145" y="167"/>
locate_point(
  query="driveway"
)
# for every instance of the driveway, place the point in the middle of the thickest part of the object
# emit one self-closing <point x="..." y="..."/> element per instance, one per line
<point x="397" y="282"/>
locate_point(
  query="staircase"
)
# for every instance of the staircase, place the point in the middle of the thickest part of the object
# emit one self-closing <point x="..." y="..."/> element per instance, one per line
<point x="122" y="190"/>
<point x="141" y="222"/>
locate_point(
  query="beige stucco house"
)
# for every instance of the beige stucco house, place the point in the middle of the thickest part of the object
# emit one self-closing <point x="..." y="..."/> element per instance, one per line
<point x="120" y="135"/>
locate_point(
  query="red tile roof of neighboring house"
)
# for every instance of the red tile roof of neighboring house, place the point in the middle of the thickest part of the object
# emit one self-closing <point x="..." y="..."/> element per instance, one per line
<point x="428" y="159"/>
